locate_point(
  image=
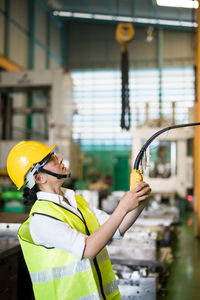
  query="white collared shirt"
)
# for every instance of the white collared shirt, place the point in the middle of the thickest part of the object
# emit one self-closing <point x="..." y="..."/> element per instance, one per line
<point x="50" y="232"/>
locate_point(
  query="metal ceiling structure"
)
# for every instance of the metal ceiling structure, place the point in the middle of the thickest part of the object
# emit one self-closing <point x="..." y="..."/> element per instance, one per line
<point x="139" y="11"/>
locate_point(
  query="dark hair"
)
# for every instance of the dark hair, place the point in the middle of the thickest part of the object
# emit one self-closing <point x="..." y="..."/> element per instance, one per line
<point x="30" y="195"/>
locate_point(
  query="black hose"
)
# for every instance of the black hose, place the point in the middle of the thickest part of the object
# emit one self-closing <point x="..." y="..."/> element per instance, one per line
<point x="150" y="140"/>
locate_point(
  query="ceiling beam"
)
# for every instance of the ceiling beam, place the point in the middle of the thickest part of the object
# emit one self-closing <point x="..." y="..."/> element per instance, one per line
<point x="9" y="65"/>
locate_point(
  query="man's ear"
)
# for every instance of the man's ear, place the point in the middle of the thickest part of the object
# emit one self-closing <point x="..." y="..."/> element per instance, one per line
<point x="39" y="178"/>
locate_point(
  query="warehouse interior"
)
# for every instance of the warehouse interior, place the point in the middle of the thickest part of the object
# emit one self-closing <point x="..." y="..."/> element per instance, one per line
<point x="99" y="79"/>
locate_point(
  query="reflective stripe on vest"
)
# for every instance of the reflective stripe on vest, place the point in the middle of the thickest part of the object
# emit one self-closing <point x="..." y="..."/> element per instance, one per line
<point x="64" y="271"/>
<point x="60" y="272"/>
<point x="90" y="297"/>
<point x="57" y="275"/>
<point x="108" y="289"/>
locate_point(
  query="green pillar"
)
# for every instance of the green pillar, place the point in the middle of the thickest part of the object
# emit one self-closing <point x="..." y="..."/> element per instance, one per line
<point x="7" y="28"/>
<point x="64" y="44"/>
<point x="31" y="61"/>
<point x="48" y="36"/>
<point x="160" y="67"/>
<point x="31" y="46"/>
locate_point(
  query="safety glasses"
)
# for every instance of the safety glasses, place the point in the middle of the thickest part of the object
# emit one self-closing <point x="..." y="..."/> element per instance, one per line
<point x="50" y="157"/>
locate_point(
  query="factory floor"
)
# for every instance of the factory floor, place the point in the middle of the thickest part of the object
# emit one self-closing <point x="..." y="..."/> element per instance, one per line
<point x="184" y="279"/>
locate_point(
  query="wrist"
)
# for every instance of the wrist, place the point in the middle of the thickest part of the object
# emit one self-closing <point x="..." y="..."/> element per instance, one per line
<point x="122" y="208"/>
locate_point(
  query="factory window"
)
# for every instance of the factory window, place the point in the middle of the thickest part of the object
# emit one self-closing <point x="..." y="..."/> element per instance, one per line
<point x="97" y="94"/>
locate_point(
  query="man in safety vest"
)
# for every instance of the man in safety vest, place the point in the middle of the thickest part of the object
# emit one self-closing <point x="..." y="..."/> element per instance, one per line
<point x="63" y="240"/>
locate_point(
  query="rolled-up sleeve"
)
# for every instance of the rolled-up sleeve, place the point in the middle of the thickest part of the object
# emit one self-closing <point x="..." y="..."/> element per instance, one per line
<point x="50" y="232"/>
<point x="102" y="217"/>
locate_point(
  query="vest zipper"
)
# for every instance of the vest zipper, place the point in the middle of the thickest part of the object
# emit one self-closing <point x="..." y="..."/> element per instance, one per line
<point x="94" y="260"/>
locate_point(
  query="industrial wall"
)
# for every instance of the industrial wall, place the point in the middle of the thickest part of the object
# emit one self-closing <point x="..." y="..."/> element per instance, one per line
<point x="94" y="45"/>
<point x="28" y="36"/>
<point x="33" y="39"/>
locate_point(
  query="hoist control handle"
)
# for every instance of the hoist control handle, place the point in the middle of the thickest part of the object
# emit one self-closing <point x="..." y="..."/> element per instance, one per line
<point x="136" y="174"/>
<point x="135" y="177"/>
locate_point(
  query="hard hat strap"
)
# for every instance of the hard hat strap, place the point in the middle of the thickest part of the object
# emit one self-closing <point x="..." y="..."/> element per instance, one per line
<point x="59" y="176"/>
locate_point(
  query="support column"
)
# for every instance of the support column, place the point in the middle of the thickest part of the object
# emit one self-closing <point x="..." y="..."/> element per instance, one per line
<point x="197" y="133"/>
<point x="64" y="44"/>
<point x="7" y="29"/>
<point x="6" y="105"/>
<point x="48" y="35"/>
<point x="160" y="67"/>
<point x="31" y="60"/>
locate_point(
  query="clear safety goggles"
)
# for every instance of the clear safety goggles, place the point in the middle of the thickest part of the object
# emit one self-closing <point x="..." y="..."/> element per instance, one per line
<point x="50" y="157"/>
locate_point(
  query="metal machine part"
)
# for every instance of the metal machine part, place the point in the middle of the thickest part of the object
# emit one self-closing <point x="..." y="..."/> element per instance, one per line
<point x="137" y="248"/>
<point x="179" y="178"/>
<point x="136" y="173"/>
<point x="136" y="283"/>
<point x="150" y="140"/>
<point x="56" y="88"/>
<point x="145" y="290"/>
<point x="9" y="230"/>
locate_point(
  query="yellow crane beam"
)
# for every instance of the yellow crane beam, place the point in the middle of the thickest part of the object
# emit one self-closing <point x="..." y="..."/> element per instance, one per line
<point x="8" y="65"/>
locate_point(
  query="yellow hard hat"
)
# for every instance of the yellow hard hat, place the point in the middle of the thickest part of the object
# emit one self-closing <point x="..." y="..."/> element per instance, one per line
<point x="22" y="158"/>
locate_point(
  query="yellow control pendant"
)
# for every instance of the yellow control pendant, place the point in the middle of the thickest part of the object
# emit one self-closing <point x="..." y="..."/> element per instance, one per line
<point x="135" y="177"/>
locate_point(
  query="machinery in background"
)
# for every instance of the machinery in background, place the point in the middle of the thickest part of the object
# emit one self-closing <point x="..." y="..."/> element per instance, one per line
<point x="169" y="169"/>
<point x="56" y="107"/>
<point x="143" y="257"/>
<point x="140" y="260"/>
<point x="152" y="248"/>
<point x="42" y="101"/>
<point x="135" y="283"/>
<point x="15" y="280"/>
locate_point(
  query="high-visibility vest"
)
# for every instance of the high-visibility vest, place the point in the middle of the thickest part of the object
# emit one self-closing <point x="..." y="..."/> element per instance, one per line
<point x="58" y="275"/>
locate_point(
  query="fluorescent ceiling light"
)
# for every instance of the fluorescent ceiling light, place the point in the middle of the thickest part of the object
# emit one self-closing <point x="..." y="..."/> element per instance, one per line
<point x="124" y="19"/>
<point x="62" y="13"/>
<point x="178" y="3"/>
<point x="144" y="20"/>
<point x="82" y="15"/>
<point x="165" y="22"/>
<point x="147" y="21"/>
<point x="103" y="17"/>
